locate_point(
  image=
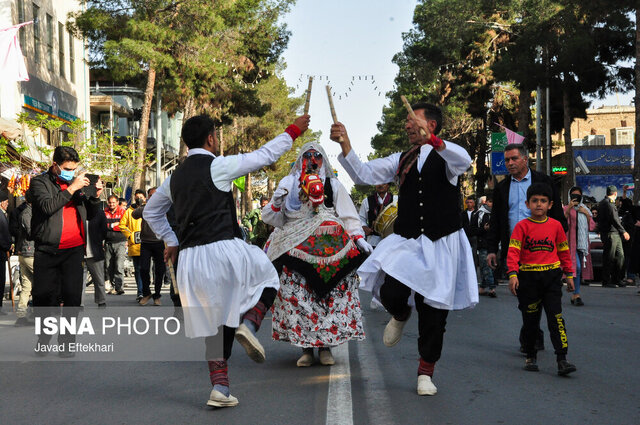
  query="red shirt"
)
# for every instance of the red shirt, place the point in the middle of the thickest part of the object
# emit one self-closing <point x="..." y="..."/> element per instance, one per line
<point x="72" y="230"/>
<point x="113" y="218"/>
<point x="538" y="246"/>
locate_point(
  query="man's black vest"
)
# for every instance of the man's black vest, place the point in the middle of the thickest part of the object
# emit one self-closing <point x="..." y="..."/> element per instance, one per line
<point x="375" y="209"/>
<point x="204" y="214"/>
<point x="428" y="204"/>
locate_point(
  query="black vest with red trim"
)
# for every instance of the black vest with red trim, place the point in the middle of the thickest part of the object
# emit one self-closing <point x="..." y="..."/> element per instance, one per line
<point x="428" y="204"/>
<point x="204" y="214"/>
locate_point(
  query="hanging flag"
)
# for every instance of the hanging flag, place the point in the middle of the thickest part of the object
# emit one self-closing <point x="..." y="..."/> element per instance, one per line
<point x="512" y="136"/>
<point x="240" y="183"/>
<point x="12" y="66"/>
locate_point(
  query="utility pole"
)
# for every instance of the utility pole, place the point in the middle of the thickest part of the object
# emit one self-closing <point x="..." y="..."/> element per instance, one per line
<point x="158" y="140"/>
<point x="539" y="119"/>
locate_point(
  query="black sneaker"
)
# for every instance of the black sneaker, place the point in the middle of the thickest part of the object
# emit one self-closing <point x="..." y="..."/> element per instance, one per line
<point x="579" y="302"/>
<point x="120" y="291"/>
<point x="492" y="294"/>
<point x="530" y="365"/>
<point x="102" y="305"/>
<point x="565" y="368"/>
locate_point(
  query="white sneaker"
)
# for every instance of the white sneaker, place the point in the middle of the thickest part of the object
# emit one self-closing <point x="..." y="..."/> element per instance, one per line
<point x="425" y="386"/>
<point x="393" y="332"/>
<point x="250" y="343"/>
<point x="217" y="399"/>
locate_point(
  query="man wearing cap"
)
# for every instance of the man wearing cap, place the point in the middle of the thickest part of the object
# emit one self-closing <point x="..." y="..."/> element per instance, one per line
<point x="611" y="230"/>
<point x="5" y="243"/>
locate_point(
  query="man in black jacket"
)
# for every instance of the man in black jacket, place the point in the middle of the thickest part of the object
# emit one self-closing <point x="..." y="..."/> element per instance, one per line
<point x="611" y="230"/>
<point x="150" y="248"/>
<point x="60" y="211"/>
<point x="5" y="243"/>
<point x="508" y="206"/>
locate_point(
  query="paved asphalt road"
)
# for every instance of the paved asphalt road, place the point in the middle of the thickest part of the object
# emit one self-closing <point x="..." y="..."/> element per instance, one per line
<point x="480" y="378"/>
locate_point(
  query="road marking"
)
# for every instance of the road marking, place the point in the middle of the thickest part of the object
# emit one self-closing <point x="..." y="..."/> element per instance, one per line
<point x="339" y="404"/>
<point x="376" y="394"/>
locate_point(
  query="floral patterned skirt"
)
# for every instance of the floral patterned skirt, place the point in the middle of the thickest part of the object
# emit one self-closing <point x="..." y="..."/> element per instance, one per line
<point x="305" y="321"/>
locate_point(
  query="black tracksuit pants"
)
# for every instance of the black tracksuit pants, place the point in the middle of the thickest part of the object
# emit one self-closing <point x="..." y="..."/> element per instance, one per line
<point x="58" y="277"/>
<point x="155" y="251"/>
<point x="538" y="290"/>
<point x="267" y="298"/>
<point x="612" y="258"/>
<point x="431" y="321"/>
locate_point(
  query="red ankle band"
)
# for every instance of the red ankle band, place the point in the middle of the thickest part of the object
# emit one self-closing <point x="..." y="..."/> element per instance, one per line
<point x="218" y="372"/>
<point x="426" y="368"/>
<point x="256" y="314"/>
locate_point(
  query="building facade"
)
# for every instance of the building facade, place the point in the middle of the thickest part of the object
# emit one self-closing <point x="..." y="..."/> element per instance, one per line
<point x="56" y="61"/>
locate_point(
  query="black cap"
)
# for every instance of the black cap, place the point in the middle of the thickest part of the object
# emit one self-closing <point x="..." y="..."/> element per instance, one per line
<point x="611" y="190"/>
<point x="4" y="195"/>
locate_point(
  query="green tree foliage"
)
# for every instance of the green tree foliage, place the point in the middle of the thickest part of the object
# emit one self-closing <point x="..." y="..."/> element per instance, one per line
<point x="203" y="54"/>
<point x="477" y="60"/>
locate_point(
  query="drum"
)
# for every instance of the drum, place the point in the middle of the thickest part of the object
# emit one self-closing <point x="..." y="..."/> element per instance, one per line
<point x="383" y="225"/>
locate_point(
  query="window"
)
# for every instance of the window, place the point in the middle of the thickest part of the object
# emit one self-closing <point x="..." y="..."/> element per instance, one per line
<point x="36" y="33"/>
<point x="72" y="60"/>
<point x="21" y="20"/>
<point x="61" y="48"/>
<point x="49" y="23"/>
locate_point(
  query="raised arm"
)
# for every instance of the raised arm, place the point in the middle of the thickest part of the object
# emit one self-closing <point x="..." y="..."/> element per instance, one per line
<point x="377" y="171"/>
<point x="225" y="169"/>
<point x="457" y="159"/>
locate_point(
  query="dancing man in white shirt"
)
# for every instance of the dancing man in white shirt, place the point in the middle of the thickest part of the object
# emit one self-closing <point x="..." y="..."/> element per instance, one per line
<point x="428" y="253"/>
<point x="221" y="279"/>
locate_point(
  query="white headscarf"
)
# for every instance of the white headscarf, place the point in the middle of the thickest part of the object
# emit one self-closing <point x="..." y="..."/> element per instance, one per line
<point x="293" y="201"/>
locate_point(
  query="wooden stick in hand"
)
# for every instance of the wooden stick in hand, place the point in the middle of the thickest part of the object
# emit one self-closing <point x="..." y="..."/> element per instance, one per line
<point x="306" y="103"/>
<point x="411" y="113"/>
<point x="333" y="110"/>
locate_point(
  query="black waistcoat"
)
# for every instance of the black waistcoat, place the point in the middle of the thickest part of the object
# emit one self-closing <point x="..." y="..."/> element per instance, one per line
<point x="204" y="214"/>
<point x="428" y="203"/>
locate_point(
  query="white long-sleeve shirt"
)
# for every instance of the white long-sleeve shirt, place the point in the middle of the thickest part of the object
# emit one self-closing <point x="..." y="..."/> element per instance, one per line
<point x="383" y="170"/>
<point x="224" y="170"/>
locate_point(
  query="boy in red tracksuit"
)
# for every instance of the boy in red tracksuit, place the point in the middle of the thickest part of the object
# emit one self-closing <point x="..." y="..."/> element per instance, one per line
<point x="538" y="254"/>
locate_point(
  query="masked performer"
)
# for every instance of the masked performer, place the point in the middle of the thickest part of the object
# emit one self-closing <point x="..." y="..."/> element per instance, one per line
<point x="220" y="277"/>
<point x="428" y="254"/>
<point x="315" y="248"/>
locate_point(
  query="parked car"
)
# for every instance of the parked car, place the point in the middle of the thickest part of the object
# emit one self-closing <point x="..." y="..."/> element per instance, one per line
<point x="595" y="247"/>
